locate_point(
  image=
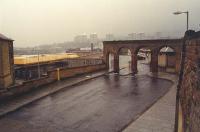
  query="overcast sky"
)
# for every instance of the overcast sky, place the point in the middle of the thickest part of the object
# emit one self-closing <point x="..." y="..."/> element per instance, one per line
<point x="33" y="22"/>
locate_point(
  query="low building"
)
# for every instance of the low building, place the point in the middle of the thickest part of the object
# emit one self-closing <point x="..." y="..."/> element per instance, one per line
<point x="43" y="58"/>
<point x="6" y="62"/>
<point x="32" y="67"/>
<point x="167" y="59"/>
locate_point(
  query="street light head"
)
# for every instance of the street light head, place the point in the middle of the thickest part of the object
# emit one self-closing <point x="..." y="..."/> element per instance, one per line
<point x="187" y="13"/>
<point x="177" y="13"/>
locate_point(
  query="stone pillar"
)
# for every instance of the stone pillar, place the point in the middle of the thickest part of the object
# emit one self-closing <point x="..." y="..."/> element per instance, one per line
<point x="105" y="56"/>
<point x="134" y="63"/>
<point x="154" y="61"/>
<point x="116" y="63"/>
<point x="106" y="60"/>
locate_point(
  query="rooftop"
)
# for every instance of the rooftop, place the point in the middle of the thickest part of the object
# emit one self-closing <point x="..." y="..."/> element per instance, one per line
<point x="166" y="49"/>
<point x="33" y="59"/>
<point x="3" y="37"/>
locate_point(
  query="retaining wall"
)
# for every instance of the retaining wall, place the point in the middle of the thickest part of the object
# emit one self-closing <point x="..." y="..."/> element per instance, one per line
<point x="50" y="78"/>
<point x="189" y="85"/>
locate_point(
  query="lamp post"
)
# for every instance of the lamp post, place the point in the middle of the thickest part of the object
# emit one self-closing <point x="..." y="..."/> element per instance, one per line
<point x="178" y="109"/>
<point x="183" y="12"/>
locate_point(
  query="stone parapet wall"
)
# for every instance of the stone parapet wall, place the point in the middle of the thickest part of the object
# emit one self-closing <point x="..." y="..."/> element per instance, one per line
<point x="189" y="84"/>
<point x="52" y="77"/>
<point x="30" y="71"/>
<point x="78" y="62"/>
<point x="70" y="72"/>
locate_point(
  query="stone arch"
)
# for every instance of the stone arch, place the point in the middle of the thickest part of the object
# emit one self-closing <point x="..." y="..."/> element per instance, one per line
<point x="125" y="57"/>
<point x="136" y="56"/>
<point x="135" y="45"/>
<point x="142" y="46"/>
<point x="123" y="47"/>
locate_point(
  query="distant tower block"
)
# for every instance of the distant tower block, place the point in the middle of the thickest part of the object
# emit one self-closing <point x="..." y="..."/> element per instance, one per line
<point x="92" y="47"/>
<point x="6" y="62"/>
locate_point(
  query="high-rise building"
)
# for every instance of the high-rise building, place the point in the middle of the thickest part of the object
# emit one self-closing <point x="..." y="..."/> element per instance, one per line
<point x="92" y="47"/>
<point x="94" y="38"/>
<point x="158" y="35"/>
<point x="110" y="37"/>
<point x="141" y="36"/>
<point x="81" y="39"/>
<point x="132" y="36"/>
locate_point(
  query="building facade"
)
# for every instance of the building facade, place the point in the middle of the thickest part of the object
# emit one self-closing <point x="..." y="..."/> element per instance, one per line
<point x="6" y="62"/>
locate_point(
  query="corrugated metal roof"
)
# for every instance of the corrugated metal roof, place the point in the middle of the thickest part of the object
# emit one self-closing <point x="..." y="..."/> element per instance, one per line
<point x="3" y="37"/>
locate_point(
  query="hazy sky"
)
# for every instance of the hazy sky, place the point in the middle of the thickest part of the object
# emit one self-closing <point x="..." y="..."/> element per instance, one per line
<point x="33" y="22"/>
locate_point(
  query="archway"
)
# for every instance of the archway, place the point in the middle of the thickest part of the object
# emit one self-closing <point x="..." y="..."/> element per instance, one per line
<point x="143" y="60"/>
<point x="167" y="59"/>
<point x="124" y="60"/>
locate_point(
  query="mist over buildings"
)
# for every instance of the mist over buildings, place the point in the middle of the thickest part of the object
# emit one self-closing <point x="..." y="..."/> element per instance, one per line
<point x="36" y="22"/>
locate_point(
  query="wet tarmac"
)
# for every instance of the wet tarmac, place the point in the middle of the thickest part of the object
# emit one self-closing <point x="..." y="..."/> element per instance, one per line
<point x="105" y="104"/>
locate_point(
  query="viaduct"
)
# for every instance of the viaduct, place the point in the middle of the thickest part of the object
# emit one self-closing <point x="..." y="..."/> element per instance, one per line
<point x="114" y="47"/>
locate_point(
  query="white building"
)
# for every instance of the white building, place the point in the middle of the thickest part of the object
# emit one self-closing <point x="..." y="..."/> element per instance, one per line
<point x="81" y="39"/>
<point x="132" y="36"/>
<point x="110" y="37"/>
<point x="94" y="38"/>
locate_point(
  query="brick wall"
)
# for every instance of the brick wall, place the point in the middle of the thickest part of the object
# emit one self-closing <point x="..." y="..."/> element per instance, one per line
<point x="189" y="83"/>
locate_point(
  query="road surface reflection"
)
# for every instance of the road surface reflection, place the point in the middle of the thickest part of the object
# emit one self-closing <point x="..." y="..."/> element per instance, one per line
<point x="105" y="104"/>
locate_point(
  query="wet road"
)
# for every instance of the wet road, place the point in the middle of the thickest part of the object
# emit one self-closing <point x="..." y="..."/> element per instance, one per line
<point x="105" y="104"/>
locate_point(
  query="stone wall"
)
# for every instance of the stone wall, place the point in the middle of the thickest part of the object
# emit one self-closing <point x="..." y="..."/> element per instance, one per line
<point x="188" y="95"/>
<point x="78" y="62"/>
<point x="30" y="71"/>
<point x="52" y="77"/>
<point x="70" y="72"/>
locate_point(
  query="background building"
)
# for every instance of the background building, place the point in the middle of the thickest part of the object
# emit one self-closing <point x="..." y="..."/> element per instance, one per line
<point x="94" y="38"/>
<point x="132" y="36"/>
<point x="81" y="39"/>
<point x="109" y="37"/>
